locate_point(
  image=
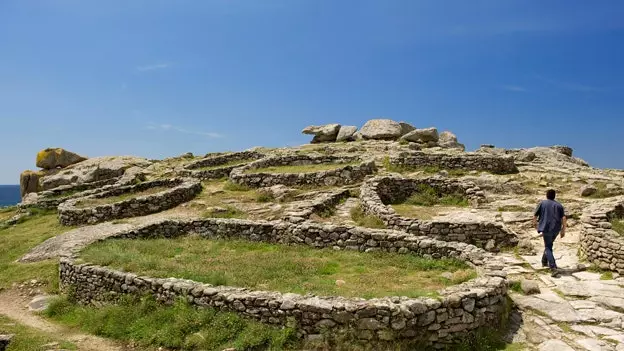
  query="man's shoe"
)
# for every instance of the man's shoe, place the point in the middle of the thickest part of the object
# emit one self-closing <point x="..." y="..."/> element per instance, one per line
<point x="554" y="273"/>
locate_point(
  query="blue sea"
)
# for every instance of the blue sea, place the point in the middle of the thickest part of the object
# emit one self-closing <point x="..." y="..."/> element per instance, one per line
<point x="9" y="195"/>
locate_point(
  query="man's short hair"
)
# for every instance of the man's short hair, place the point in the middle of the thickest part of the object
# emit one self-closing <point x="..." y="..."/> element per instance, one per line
<point x="550" y="194"/>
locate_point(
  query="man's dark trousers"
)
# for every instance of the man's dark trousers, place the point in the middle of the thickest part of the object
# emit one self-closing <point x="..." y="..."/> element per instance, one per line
<point x="548" y="258"/>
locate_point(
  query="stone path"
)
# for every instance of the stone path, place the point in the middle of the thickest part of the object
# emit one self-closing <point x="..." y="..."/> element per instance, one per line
<point x="577" y="311"/>
<point x="343" y="211"/>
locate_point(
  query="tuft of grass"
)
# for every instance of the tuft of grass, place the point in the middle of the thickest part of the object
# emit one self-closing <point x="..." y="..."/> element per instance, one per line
<point x="618" y="225"/>
<point x="516" y="286"/>
<point x="608" y="275"/>
<point x="231" y="186"/>
<point x="17" y="240"/>
<point x="179" y="326"/>
<point x="426" y="195"/>
<point x="301" y="168"/>
<point x="113" y="199"/>
<point x="296" y="269"/>
<point x="230" y="212"/>
<point x="264" y="197"/>
<point x="30" y="339"/>
<point x="602" y="191"/>
<point x="366" y="220"/>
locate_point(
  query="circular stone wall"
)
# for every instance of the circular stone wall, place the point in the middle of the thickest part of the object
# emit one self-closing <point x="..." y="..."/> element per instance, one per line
<point x="599" y="242"/>
<point x="377" y="193"/>
<point x="340" y="176"/>
<point x="460" y="309"/>
<point x="470" y="161"/>
<point x="182" y="190"/>
<point x="219" y="165"/>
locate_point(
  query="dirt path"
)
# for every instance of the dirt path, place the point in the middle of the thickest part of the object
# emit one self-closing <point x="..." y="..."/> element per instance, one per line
<point x="13" y="305"/>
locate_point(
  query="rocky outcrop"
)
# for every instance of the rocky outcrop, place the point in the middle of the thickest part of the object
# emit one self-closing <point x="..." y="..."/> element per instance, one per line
<point x="52" y="158"/>
<point x="381" y="129"/>
<point x="448" y="140"/>
<point x="588" y="190"/>
<point x="406" y="127"/>
<point x="93" y="170"/>
<point x="322" y="134"/>
<point x="29" y="182"/>
<point x="346" y="133"/>
<point x="425" y="135"/>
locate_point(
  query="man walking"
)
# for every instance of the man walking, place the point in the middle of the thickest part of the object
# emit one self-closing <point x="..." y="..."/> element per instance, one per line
<point x="550" y="219"/>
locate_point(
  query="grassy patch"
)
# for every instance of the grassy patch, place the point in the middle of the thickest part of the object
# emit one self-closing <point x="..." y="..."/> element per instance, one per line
<point x="301" y="168"/>
<point x="179" y="326"/>
<point x="366" y="220"/>
<point x="516" y="286"/>
<point x="30" y="339"/>
<point x="231" y="186"/>
<point x="390" y="167"/>
<point x="602" y="191"/>
<point x="113" y="199"/>
<point x="230" y="212"/>
<point x="608" y="275"/>
<point x="298" y="269"/>
<point x="426" y="195"/>
<point x="618" y="225"/>
<point x="66" y="194"/>
<point x="15" y="241"/>
<point x="227" y="164"/>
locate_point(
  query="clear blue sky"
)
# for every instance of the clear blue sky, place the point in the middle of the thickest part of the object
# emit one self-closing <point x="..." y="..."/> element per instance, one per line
<point x="159" y="78"/>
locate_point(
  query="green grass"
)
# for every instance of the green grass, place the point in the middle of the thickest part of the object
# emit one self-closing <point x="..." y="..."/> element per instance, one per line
<point x="618" y="225"/>
<point x="426" y="195"/>
<point x="301" y="168"/>
<point x="179" y="326"/>
<point x="231" y="186"/>
<point x="17" y="240"/>
<point x="297" y="269"/>
<point x="602" y="191"/>
<point x="113" y="199"/>
<point x="366" y="220"/>
<point x="608" y="275"/>
<point x="227" y="164"/>
<point x="390" y="167"/>
<point x="230" y="212"/>
<point x="29" y="339"/>
<point x="66" y="194"/>
<point x="516" y="286"/>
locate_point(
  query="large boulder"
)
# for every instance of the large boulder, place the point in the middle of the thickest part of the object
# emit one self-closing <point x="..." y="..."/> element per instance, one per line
<point x="322" y="134"/>
<point x="562" y="149"/>
<point x="52" y="158"/>
<point x="95" y="169"/>
<point x="449" y="140"/>
<point x="588" y="190"/>
<point x="424" y="135"/>
<point x="29" y="182"/>
<point x="406" y="127"/>
<point x="383" y="129"/>
<point x="346" y="133"/>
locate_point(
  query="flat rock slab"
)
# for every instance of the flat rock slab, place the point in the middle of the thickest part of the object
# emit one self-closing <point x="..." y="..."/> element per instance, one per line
<point x="40" y="303"/>
<point x="614" y="303"/>
<point x="586" y="276"/>
<point x="594" y="345"/>
<point x="589" y="288"/>
<point x="550" y="304"/>
<point x="554" y="345"/>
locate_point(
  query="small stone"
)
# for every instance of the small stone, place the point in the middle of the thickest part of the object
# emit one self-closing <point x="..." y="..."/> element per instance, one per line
<point x="529" y="287"/>
<point x="588" y="190"/>
<point x="340" y="282"/>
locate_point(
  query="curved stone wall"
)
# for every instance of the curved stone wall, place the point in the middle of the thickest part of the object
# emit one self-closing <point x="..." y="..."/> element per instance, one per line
<point x="50" y="199"/>
<point x="460" y="309"/>
<point x="468" y="161"/>
<point x="348" y="174"/>
<point x="599" y="242"/>
<point x="375" y="193"/>
<point x="182" y="190"/>
<point x="192" y="169"/>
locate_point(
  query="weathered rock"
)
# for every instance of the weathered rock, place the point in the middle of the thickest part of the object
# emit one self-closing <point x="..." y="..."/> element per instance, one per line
<point x="29" y="182"/>
<point x="94" y="169"/>
<point x="525" y="156"/>
<point x="346" y="133"/>
<point x="383" y="129"/>
<point x="5" y="340"/>
<point x="448" y="140"/>
<point x="588" y="190"/>
<point x="422" y="135"/>
<point x="554" y="345"/>
<point x="323" y="133"/>
<point x="52" y="158"/>
<point x="529" y="287"/>
<point x="278" y="192"/>
<point x="406" y="127"/>
<point x="566" y="150"/>
<point x="40" y="303"/>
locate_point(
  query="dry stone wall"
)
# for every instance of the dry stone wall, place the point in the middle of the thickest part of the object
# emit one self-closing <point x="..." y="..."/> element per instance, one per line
<point x="377" y="192"/>
<point x="480" y="302"/>
<point x="348" y="174"/>
<point x="599" y="242"/>
<point x="182" y="190"/>
<point x="193" y="169"/>
<point x="468" y="161"/>
<point x="50" y="199"/>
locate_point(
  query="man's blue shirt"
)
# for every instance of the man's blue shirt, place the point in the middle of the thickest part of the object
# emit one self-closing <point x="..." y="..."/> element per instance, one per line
<point x="550" y="214"/>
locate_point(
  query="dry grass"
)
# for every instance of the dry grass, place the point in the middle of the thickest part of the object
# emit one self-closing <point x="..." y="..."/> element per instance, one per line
<point x="420" y="212"/>
<point x="366" y="220"/>
<point x="301" y="168"/>
<point x="298" y="269"/>
<point x="113" y="199"/>
<point x="227" y="164"/>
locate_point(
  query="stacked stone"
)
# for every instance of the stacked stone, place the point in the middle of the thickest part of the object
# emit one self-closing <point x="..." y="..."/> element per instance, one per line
<point x="599" y="242"/>
<point x="182" y="190"/>
<point x="191" y="170"/>
<point x="374" y="195"/>
<point x="461" y="309"/>
<point x="321" y="202"/>
<point x="468" y="161"/>
<point x="348" y="174"/>
<point x="50" y="199"/>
